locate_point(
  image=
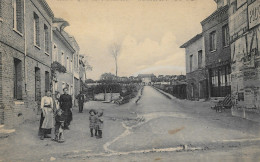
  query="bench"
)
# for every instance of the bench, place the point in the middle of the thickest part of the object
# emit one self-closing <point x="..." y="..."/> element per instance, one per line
<point x="226" y="103"/>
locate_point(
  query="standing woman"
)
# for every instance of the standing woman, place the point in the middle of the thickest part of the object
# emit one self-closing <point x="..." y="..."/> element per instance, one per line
<point x="66" y="106"/>
<point x="46" y="122"/>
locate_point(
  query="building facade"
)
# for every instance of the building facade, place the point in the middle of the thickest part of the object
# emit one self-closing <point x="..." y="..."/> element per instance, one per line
<point x="63" y="53"/>
<point x="217" y="51"/>
<point x="244" y="20"/>
<point x="146" y="78"/>
<point x="25" y="43"/>
<point x="196" y="77"/>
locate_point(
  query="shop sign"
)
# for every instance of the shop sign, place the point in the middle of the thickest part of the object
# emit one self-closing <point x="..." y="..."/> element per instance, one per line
<point x="254" y="14"/>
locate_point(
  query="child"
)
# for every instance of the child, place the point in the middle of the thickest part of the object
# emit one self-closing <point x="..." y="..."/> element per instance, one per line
<point x="100" y="124"/>
<point x="92" y="122"/>
<point x="59" y="126"/>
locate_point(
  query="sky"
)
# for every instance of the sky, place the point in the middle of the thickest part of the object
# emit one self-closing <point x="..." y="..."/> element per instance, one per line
<point x="150" y="32"/>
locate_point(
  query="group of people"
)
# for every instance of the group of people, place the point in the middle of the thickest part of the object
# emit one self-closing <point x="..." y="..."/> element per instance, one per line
<point x="58" y="109"/>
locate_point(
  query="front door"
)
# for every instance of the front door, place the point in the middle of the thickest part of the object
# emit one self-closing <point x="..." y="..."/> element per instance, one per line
<point x="38" y="87"/>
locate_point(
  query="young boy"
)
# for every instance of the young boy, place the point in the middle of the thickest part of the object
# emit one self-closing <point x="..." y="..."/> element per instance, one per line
<point x="92" y="122"/>
<point x="59" y="126"/>
<point x="100" y="124"/>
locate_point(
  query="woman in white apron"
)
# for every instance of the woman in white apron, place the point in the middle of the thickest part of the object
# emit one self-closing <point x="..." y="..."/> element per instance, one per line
<point x="46" y="123"/>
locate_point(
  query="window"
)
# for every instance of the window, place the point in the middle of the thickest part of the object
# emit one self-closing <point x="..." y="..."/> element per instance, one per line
<point x="17" y="79"/>
<point x="47" y="81"/>
<point x="55" y="53"/>
<point x="71" y="89"/>
<point x="225" y="33"/>
<point x="18" y="15"/>
<point x="36" y="30"/>
<point x="200" y="58"/>
<point x="213" y="41"/>
<point x="71" y="66"/>
<point x="62" y="58"/>
<point x="214" y="77"/>
<point x="191" y="56"/>
<point x="0" y="9"/>
<point x="68" y="64"/>
<point x="46" y="38"/>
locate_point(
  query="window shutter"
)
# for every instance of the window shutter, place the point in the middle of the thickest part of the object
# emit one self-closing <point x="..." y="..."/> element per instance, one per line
<point x="0" y="8"/>
<point x="37" y="32"/>
<point x="46" y="37"/>
<point x="19" y="15"/>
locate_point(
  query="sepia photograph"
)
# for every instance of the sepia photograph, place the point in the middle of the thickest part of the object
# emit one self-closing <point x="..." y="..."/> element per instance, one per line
<point x="129" y="80"/>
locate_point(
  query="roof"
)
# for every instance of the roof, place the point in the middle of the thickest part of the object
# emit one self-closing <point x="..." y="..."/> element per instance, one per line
<point x="46" y="8"/>
<point x="215" y="13"/>
<point x="192" y="40"/>
<point x="64" y="40"/>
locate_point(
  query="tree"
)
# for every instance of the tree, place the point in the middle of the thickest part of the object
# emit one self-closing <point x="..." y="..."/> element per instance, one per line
<point x="115" y="49"/>
<point x="56" y="67"/>
<point x="108" y="77"/>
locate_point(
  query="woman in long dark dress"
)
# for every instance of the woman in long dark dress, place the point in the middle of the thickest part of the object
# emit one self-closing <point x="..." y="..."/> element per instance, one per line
<point x="66" y="106"/>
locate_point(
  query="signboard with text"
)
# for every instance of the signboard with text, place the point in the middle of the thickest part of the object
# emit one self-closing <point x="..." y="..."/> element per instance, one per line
<point x="254" y="14"/>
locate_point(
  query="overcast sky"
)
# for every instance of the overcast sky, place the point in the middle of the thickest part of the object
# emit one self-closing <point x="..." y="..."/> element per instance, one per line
<point x="149" y="31"/>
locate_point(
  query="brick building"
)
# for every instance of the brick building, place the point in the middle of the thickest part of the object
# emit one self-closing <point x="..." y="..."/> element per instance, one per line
<point x="38" y="22"/>
<point x="244" y="27"/>
<point x="217" y="51"/>
<point x="196" y="78"/>
<point x="25" y="58"/>
<point x="63" y="52"/>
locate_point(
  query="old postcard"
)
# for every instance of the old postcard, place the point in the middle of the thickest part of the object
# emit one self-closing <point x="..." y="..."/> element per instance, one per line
<point x="129" y="80"/>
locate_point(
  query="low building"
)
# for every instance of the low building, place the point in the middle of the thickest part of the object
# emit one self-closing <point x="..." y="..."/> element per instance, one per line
<point x="217" y="51"/>
<point x="196" y="77"/>
<point x="146" y="78"/>
<point x="244" y="20"/>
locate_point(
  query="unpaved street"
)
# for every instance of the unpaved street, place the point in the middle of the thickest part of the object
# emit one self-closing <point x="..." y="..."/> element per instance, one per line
<point x="156" y="129"/>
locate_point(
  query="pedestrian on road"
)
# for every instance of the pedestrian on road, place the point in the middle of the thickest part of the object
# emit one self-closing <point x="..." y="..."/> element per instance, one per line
<point x="93" y="122"/>
<point x="66" y="106"/>
<point x="46" y="121"/>
<point x="100" y="124"/>
<point x="80" y="98"/>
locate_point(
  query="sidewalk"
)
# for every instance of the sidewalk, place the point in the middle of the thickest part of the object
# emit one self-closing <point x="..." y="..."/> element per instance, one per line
<point x="25" y="144"/>
<point x="202" y="109"/>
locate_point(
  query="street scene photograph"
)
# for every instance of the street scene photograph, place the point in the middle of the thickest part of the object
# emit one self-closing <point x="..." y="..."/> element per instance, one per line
<point x="129" y="80"/>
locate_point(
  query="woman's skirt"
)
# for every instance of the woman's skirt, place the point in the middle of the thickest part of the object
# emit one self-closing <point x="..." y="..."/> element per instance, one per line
<point x="48" y="120"/>
<point x="41" y="130"/>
